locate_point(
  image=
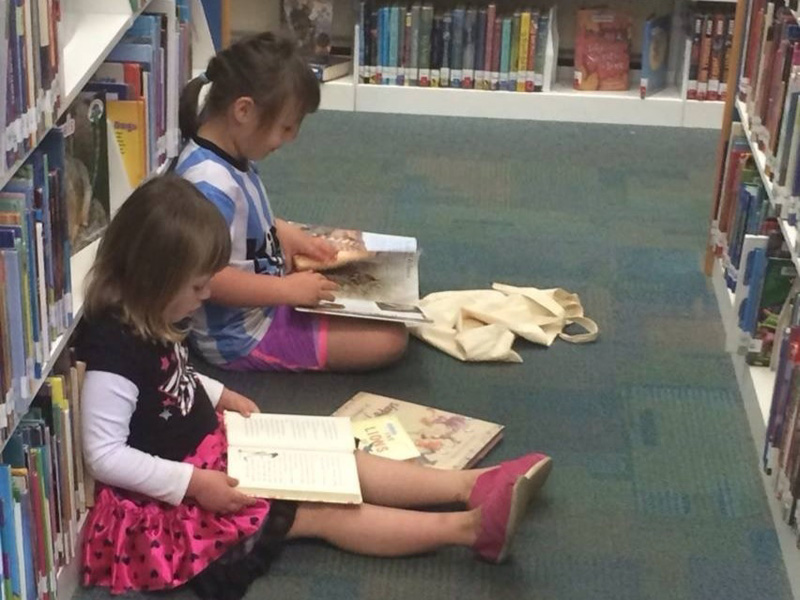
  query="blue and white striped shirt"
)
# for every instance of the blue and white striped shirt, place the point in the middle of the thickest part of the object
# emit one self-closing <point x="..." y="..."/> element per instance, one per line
<point x="225" y="333"/>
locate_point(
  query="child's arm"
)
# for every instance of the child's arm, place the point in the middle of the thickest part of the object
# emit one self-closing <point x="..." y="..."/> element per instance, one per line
<point x="224" y="399"/>
<point x="108" y="402"/>
<point x="233" y="287"/>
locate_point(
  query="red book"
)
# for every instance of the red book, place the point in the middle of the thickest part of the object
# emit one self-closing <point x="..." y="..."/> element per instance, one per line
<point x="602" y="50"/>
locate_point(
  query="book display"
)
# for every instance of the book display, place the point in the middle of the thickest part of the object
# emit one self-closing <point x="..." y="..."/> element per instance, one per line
<point x="90" y="109"/>
<point x="664" y="62"/>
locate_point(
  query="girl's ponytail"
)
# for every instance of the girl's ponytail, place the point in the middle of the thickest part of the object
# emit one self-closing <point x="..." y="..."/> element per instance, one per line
<point x="188" y="119"/>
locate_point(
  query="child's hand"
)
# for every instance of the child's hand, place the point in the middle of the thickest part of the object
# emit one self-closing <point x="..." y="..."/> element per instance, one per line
<point x="317" y="248"/>
<point x="308" y="288"/>
<point x="216" y="492"/>
<point x="230" y="400"/>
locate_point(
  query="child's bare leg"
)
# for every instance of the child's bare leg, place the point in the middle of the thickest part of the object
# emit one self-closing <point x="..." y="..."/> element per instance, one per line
<point x="394" y="483"/>
<point x="360" y="345"/>
<point x="383" y="531"/>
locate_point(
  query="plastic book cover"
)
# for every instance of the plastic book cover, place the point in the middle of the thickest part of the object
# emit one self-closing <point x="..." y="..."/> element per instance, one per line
<point x="779" y="275"/>
<point x="311" y="23"/>
<point x="655" y="50"/>
<point x="86" y="160"/>
<point x="445" y="440"/>
<point x="602" y="50"/>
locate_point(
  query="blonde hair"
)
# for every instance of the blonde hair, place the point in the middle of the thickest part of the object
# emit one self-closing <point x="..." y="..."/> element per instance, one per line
<point x="165" y="234"/>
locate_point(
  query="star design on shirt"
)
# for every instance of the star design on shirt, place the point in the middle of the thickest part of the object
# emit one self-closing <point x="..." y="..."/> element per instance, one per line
<point x="165" y="414"/>
<point x="164" y="363"/>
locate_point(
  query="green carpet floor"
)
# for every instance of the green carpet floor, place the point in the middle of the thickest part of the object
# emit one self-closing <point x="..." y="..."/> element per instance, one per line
<point x="655" y="493"/>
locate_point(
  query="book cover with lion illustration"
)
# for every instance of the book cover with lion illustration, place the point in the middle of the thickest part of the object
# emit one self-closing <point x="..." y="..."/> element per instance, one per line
<point x="445" y="440"/>
<point x="602" y="50"/>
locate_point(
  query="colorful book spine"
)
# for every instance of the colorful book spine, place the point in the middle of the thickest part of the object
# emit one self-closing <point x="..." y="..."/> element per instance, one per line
<point x="488" y="56"/>
<point x="400" y="28"/>
<point x="522" y="52"/>
<point x="413" y="72"/>
<point x="513" y="58"/>
<point x="436" y="51"/>
<point x="447" y="35"/>
<point x="505" y="55"/>
<point x="497" y="44"/>
<point x="468" y="61"/>
<point x="390" y="73"/>
<point x="457" y="47"/>
<point x="425" y="31"/>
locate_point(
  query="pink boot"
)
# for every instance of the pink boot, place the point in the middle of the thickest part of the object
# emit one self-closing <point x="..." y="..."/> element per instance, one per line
<point x="503" y="494"/>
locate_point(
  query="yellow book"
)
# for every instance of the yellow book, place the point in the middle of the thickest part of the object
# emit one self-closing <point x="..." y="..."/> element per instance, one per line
<point x="522" y="56"/>
<point x="385" y="436"/>
<point x="127" y="117"/>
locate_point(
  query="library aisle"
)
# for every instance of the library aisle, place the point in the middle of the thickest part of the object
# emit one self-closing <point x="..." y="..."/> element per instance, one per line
<point x="656" y="491"/>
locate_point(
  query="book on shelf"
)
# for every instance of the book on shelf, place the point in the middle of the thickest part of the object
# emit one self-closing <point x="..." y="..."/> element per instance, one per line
<point x="84" y="125"/>
<point x="445" y="440"/>
<point x="602" y="50"/>
<point x="311" y="23"/>
<point x="655" y="51"/>
<point x="331" y="67"/>
<point x="293" y="457"/>
<point x="377" y="275"/>
<point x="482" y="46"/>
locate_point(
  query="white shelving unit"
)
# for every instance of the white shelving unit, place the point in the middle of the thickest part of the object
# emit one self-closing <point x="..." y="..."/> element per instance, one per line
<point x="756" y="384"/>
<point x="88" y="32"/>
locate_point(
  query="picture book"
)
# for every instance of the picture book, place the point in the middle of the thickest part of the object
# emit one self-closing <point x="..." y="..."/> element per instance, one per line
<point x="602" y="50"/>
<point x="655" y="50"/>
<point x="293" y="457"/>
<point x="311" y="23"/>
<point x="445" y="440"/>
<point x="779" y="274"/>
<point x="385" y="436"/>
<point x="377" y="275"/>
<point x="86" y="165"/>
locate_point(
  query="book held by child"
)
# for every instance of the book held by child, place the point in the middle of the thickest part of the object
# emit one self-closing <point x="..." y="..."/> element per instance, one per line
<point x="377" y="275"/>
<point x="293" y="457"/>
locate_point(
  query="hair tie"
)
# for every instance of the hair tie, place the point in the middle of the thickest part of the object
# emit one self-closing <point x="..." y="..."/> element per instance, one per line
<point x="204" y="78"/>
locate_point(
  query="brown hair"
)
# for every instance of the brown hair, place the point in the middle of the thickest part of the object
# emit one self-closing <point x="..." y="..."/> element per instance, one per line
<point x="265" y="67"/>
<point x="164" y="234"/>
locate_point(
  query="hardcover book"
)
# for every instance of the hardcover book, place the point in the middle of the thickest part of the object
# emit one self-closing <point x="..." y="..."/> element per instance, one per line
<point x="602" y="50"/>
<point x="445" y="440"/>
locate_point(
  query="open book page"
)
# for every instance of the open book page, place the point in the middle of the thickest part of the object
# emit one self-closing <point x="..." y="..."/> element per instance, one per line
<point x="295" y="432"/>
<point x="446" y="440"/>
<point x="296" y="475"/>
<point x="385" y="287"/>
<point x="381" y="242"/>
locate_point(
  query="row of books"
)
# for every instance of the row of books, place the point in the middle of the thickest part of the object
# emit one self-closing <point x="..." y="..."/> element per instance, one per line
<point x="710" y="55"/>
<point x="35" y="283"/>
<point x="470" y="48"/>
<point x="770" y="88"/>
<point x="140" y="82"/>
<point x="44" y="490"/>
<point x="30" y="75"/>
<point x="781" y="457"/>
<point x="757" y="262"/>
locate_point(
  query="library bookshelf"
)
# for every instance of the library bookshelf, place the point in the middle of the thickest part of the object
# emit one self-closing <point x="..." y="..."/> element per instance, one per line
<point x="756" y="383"/>
<point x="87" y="33"/>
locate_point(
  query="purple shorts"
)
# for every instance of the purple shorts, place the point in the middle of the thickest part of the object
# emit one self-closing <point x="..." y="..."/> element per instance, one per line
<point x="295" y="341"/>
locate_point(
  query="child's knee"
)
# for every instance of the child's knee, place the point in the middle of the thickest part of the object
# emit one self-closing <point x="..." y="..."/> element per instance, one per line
<point x="395" y="342"/>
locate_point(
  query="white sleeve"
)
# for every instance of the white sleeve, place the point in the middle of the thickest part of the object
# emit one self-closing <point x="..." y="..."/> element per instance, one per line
<point x="213" y="388"/>
<point x="107" y="404"/>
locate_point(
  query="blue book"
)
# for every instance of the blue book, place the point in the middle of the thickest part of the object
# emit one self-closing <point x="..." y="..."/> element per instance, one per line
<point x="23" y="498"/>
<point x="394" y="24"/>
<point x="755" y="270"/>
<point x="480" y="51"/>
<point x="22" y="204"/>
<point x="8" y="533"/>
<point x="505" y="54"/>
<point x="15" y="316"/>
<point x="655" y="52"/>
<point x="457" y="47"/>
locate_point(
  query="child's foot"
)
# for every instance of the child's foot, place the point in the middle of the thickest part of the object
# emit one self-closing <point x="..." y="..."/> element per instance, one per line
<point x="503" y="495"/>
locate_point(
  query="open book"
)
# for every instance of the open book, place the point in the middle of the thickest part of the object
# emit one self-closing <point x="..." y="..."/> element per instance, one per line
<point x="293" y="457"/>
<point x="444" y="439"/>
<point x="377" y="274"/>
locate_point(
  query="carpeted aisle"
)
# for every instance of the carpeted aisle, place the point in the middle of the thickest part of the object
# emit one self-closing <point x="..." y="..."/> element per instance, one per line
<point x="655" y="493"/>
